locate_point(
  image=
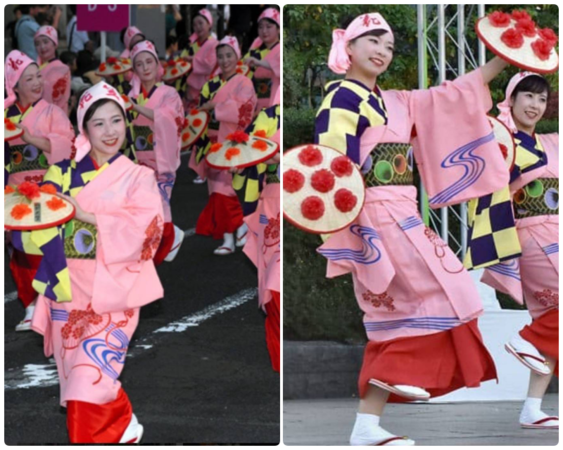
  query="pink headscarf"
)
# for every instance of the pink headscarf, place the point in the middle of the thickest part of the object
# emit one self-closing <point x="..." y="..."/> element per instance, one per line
<point x="505" y="115"/>
<point x="130" y="34"/>
<point x="97" y="92"/>
<point x="232" y="42"/>
<point x="338" y="59"/>
<point x="269" y="13"/>
<point x="16" y="63"/>
<point x="51" y="33"/>
<point x="205" y="13"/>
<point x="143" y="46"/>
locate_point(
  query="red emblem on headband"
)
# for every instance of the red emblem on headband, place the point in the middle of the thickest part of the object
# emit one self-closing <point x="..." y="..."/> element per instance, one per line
<point x="85" y="99"/>
<point x="150" y="46"/>
<point x="130" y="31"/>
<point x="373" y="20"/>
<point x="276" y="14"/>
<point x="48" y="30"/>
<point x="110" y="91"/>
<point x="14" y="64"/>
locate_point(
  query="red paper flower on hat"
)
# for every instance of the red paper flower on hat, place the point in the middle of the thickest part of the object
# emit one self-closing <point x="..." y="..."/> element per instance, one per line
<point x="238" y="136"/>
<point x="239" y="63"/>
<point x="9" y="190"/>
<point x="185" y="136"/>
<point x="231" y="153"/>
<point x="341" y="166"/>
<point x="112" y="60"/>
<point x="103" y="67"/>
<point x="547" y="34"/>
<point x="30" y="190"/>
<point x="20" y="211"/>
<point x="520" y="14"/>
<point x="215" y="147"/>
<point x="293" y="181"/>
<point x="174" y="71"/>
<point x="512" y="38"/>
<point x="117" y="67"/>
<point x="322" y="180"/>
<point x="9" y="125"/>
<point x="527" y="27"/>
<point x="310" y="156"/>
<point x="55" y="204"/>
<point x="171" y="63"/>
<point x="238" y="71"/>
<point x="261" y="133"/>
<point x="126" y="61"/>
<point x="542" y="49"/>
<point x="197" y="122"/>
<point x="183" y="63"/>
<point x="503" y="150"/>
<point x="344" y="200"/>
<point x="48" y="189"/>
<point x="313" y="208"/>
<point x="194" y="112"/>
<point x="125" y="98"/>
<point x="499" y="19"/>
<point x="260" y="145"/>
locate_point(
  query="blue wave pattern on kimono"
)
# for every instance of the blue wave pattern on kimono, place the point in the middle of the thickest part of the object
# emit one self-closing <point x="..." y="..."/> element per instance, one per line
<point x="510" y="269"/>
<point x="551" y="249"/>
<point x="368" y="254"/>
<point x="97" y="350"/>
<point x="165" y="185"/>
<point x="263" y="219"/>
<point x="59" y="314"/>
<point x="410" y="222"/>
<point x="473" y="165"/>
<point x="427" y="323"/>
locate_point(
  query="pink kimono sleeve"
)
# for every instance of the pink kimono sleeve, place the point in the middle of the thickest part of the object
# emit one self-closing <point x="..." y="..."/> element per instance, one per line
<point x="60" y="135"/>
<point x="131" y="232"/>
<point x="167" y="127"/>
<point x="205" y="59"/>
<point x="455" y="149"/>
<point x="239" y="106"/>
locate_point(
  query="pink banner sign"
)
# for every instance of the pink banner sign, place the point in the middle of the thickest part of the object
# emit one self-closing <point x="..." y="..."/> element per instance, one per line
<point x="102" y="17"/>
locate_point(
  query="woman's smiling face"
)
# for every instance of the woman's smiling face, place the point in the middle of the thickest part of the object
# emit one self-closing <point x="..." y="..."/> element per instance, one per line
<point x="106" y="128"/>
<point x="372" y="54"/>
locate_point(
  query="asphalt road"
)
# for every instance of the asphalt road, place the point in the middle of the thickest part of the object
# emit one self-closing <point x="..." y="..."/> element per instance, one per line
<point x="198" y="369"/>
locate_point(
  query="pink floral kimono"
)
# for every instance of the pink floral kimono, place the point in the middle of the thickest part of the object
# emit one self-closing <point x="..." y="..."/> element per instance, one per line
<point x="203" y="63"/>
<point x="534" y="277"/>
<point x="235" y="101"/>
<point x="418" y="300"/>
<point x="267" y="81"/>
<point x="56" y="89"/>
<point x="24" y="162"/>
<point x="111" y="276"/>
<point x="158" y="144"/>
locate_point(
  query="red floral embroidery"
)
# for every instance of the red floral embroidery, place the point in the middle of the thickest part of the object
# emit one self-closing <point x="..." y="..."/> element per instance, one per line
<point x="59" y="88"/>
<point x="547" y="297"/>
<point x="272" y="230"/>
<point x="129" y="313"/>
<point x="512" y="38"/>
<point x="245" y="112"/>
<point x="179" y="124"/>
<point x="542" y="49"/>
<point x="81" y="324"/>
<point x="153" y="236"/>
<point x="378" y="300"/>
<point x="34" y="178"/>
<point x="499" y="19"/>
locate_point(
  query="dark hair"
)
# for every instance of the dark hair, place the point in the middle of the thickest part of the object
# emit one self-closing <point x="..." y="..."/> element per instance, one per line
<point x="271" y="21"/>
<point x="533" y="83"/>
<point x="184" y="41"/>
<point x="171" y="40"/>
<point x="72" y="9"/>
<point x="67" y="57"/>
<point x="85" y="62"/>
<point x="95" y="107"/>
<point x="200" y="15"/>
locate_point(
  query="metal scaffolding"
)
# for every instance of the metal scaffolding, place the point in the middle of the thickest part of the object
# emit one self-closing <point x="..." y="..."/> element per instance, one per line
<point x="436" y="35"/>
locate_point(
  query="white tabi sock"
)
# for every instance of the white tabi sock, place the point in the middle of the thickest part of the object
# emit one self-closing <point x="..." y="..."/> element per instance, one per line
<point x="531" y="411"/>
<point x="365" y="427"/>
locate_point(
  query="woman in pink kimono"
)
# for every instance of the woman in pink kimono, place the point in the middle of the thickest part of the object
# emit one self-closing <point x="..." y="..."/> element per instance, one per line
<point x="231" y="100"/>
<point x="201" y="53"/>
<point x="534" y="277"/>
<point x="47" y="139"/>
<point x="131" y="37"/>
<point x="420" y="305"/>
<point x="108" y="249"/>
<point x="263" y="244"/>
<point x="158" y="121"/>
<point x="56" y="74"/>
<point x="264" y="58"/>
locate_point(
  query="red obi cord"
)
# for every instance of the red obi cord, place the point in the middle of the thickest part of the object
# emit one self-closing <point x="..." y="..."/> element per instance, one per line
<point x="88" y="423"/>
<point x="221" y="215"/>
<point x="439" y="363"/>
<point x="273" y="329"/>
<point x="24" y="268"/>
<point x="543" y="333"/>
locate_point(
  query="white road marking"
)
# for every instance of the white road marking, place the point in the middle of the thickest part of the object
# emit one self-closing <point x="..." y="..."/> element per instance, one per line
<point x="43" y="375"/>
<point x="10" y="297"/>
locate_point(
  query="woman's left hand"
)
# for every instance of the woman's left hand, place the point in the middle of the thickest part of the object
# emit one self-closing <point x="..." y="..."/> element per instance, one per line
<point x="236" y="170"/>
<point x="26" y="135"/>
<point x="80" y="214"/>
<point x="251" y="62"/>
